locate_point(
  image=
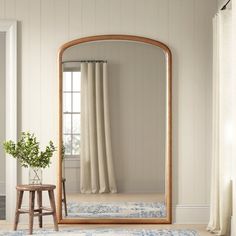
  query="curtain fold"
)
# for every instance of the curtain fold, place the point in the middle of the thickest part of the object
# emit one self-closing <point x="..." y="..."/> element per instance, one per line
<point x="97" y="170"/>
<point x="233" y="223"/>
<point x="222" y="123"/>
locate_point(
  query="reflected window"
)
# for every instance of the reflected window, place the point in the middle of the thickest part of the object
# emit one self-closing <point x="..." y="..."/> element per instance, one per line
<point x="71" y="112"/>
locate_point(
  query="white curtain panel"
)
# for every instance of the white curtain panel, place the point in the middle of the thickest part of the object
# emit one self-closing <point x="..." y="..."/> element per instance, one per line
<point x="96" y="165"/>
<point x="233" y="223"/>
<point x="222" y="136"/>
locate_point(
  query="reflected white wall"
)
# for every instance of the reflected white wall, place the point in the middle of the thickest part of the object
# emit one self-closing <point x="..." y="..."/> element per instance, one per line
<point x="137" y="99"/>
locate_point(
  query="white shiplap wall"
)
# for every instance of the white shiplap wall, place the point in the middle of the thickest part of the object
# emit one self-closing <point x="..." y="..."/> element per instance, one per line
<point x="2" y="114"/>
<point x="184" y="25"/>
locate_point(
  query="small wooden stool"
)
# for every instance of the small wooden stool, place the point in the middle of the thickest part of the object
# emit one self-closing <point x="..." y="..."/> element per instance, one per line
<point x="39" y="211"/>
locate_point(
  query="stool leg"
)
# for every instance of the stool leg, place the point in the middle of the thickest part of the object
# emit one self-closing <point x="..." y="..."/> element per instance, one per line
<point x="31" y="211"/>
<point x="64" y="197"/>
<point x="18" y="206"/>
<point x="39" y="198"/>
<point x="53" y="206"/>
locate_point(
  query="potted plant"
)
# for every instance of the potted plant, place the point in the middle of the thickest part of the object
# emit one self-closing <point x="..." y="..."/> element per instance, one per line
<point x="28" y="152"/>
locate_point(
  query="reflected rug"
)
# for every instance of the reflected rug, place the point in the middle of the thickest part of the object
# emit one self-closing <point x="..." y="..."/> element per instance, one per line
<point x="106" y="232"/>
<point x="116" y="209"/>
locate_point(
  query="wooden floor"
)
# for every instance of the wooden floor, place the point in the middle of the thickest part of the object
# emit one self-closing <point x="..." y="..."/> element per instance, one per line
<point x="117" y="197"/>
<point x="2" y="207"/>
<point x="200" y="228"/>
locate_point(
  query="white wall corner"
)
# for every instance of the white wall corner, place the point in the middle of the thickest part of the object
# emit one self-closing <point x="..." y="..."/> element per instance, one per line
<point x="191" y="214"/>
<point x="2" y="188"/>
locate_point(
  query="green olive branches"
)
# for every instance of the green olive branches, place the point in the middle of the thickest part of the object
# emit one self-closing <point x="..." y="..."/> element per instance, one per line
<point x="28" y="152"/>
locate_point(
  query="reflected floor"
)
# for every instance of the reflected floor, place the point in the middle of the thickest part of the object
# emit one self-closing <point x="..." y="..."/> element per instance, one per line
<point x="116" y="206"/>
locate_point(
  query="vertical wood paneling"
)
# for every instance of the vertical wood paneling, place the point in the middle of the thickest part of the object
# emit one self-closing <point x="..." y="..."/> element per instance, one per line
<point x="185" y="25"/>
<point x="181" y="28"/>
<point x="59" y="31"/>
<point x="128" y="16"/>
<point x="46" y="38"/>
<point x="2" y="8"/>
<point x="10" y="9"/>
<point x="208" y="117"/>
<point x="61" y="16"/>
<point x="102" y="8"/>
<point x="61" y="35"/>
<point x="75" y="19"/>
<point x="88" y="27"/>
<point x="142" y="23"/>
<point x="48" y="80"/>
<point x="157" y="12"/>
<point x="115" y="16"/>
<point x="34" y="67"/>
<point x="22" y="15"/>
<point x="46" y="54"/>
<point x="199" y="102"/>
<point x="202" y="44"/>
<point x="162" y="19"/>
<point x="2" y="114"/>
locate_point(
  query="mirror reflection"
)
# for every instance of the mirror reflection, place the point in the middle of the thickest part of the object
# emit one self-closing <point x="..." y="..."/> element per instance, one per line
<point x="114" y="130"/>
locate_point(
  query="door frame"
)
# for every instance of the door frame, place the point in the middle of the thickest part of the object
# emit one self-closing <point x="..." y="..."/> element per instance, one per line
<point x="10" y="28"/>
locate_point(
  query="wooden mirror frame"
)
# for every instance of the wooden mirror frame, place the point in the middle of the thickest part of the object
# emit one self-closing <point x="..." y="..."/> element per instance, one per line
<point x="168" y="160"/>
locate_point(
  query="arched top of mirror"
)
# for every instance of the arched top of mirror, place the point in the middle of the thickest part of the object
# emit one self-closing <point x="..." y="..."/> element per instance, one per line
<point x="116" y="37"/>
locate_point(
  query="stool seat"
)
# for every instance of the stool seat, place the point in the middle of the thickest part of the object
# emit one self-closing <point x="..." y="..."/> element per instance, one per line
<point x="32" y="211"/>
<point x="35" y="187"/>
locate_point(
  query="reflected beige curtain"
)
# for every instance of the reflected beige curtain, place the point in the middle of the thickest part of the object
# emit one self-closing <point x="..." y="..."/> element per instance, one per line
<point x="223" y="122"/>
<point x="97" y="171"/>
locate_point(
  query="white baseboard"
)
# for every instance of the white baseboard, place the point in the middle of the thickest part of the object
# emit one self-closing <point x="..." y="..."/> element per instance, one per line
<point x="2" y="188"/>
<point x="233" y="226"/>
<point x="191" y="214"/>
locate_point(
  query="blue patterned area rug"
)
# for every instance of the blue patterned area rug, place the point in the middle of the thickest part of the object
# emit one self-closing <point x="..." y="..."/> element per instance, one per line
<point x="106" y="232"/>
<point x="116" y="209"/>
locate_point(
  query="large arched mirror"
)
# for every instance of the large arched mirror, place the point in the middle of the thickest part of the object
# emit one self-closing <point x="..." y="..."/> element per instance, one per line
<point x="115" y="130"/>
